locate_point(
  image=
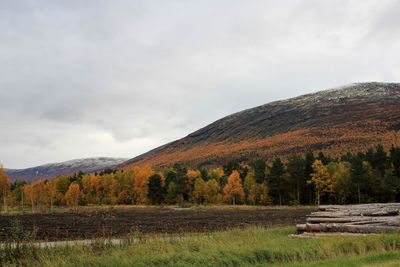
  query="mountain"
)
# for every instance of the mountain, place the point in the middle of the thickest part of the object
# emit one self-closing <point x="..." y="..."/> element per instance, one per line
<point x="349" y="118"/>
<point x="52" y="170"/>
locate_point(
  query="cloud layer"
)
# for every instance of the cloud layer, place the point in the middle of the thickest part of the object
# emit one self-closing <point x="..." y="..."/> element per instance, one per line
<point x="118" y="78"/>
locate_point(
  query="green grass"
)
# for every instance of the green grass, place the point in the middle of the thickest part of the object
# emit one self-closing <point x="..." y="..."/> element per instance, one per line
<point x="251" y="246"/>
<point x="370" y="259"/>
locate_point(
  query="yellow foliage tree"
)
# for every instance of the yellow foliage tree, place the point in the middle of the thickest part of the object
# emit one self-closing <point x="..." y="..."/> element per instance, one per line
<point x="72" y="196"/>
<point x="89" y="187"/>
<point x="320" y="178"/>
<point x="212" y="191"/>
<point x="233" y="188"/>
<point x="341" y="180"/>
<point x="5" y="185"/>
<point x="200" y="191"/>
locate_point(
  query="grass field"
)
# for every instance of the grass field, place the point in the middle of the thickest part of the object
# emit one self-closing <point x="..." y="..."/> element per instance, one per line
<point x="251" y="246"/>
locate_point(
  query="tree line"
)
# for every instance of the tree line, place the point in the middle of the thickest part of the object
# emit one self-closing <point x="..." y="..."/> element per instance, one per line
<point x="309" y="179"/>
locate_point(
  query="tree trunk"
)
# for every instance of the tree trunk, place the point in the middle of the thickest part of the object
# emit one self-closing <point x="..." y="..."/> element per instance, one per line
<point x="359" y="194"/>
<point x="318" y="196"/>
<point x="233" y="199"/>
<point x="51" y="203"/>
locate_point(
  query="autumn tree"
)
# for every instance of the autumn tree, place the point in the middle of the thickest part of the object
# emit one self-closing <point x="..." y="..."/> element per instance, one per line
<point x="89" y="185"/>
<point x="62" y="184"/>
<point x="72" y="196"/>
<point x="200" y="191"/>
<point x="248" y="183"/>
<point x="320" y="178"/>
<point x="259" y="195"/>
<point x="141" y="176"/>
<point x="340" y="173"/>
<point x="193" y="175"/>
<point x="5" y="185"/>
<point x="28" y="190"/>
<point x="212" y="191"/>
<point x="234" y="188"/>
<point x="108" y="187"/>
<point x="52" y="191"/>
<point x="39" y="194"/>
<point x="126" y="181"/>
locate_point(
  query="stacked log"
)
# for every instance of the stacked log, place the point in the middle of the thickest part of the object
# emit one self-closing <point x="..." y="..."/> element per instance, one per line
<point x="364" y="218"/>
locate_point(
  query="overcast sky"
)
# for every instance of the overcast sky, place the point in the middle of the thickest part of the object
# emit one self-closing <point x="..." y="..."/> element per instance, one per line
<point x="118" y="78"/>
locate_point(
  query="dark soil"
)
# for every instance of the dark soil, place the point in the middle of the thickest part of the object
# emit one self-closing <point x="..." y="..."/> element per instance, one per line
<point x="83" y="225"/>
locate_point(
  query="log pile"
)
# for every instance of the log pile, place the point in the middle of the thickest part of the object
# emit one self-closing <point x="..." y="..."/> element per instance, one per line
<point x="364" y="218"/>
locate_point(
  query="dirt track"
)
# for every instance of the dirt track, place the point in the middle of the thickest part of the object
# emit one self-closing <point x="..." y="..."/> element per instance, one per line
<point x="82" y="225"/>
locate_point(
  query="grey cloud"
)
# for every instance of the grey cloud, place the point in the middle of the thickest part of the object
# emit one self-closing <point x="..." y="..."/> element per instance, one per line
<point x="102" y="78"/>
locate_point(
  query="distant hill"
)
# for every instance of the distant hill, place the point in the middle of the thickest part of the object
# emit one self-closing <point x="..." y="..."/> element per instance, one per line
<point x="52" y="170"/>
<point x="350" y="118"/>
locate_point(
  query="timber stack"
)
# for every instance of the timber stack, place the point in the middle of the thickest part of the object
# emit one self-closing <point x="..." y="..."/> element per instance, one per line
<point x="364" y="218"/>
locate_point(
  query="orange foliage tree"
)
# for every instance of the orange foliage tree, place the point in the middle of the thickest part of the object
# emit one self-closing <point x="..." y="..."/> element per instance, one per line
<point x="39" y="194"/>
<point x="141" y="179"/>
<point x="234" y="188"/>
<point x="72" y="196"/>
<point x="193" y="175"/>
<point x="28" y="190"/>
<point x="5" y="186"/>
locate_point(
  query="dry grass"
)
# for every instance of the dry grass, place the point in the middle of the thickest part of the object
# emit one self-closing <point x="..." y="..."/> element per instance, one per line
<point x="236" y="247"/>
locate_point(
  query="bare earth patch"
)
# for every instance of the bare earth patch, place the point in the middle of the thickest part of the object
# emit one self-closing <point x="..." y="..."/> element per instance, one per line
<point x="118" y="222"/>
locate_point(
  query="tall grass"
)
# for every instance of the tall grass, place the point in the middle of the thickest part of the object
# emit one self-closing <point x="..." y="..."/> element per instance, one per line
<point x="251" y="246"/>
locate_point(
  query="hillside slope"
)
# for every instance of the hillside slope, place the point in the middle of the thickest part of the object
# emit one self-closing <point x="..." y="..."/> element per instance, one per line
<point x="351" y="118"/>
<point x="52" y="170"/>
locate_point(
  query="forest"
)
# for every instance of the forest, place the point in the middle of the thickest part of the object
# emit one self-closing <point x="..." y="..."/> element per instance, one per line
<point x="309" y="179"/>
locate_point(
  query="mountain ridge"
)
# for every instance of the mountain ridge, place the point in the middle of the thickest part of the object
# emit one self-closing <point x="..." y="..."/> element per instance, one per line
<point x="371" y="107"/>
<point x="52" y="170"/>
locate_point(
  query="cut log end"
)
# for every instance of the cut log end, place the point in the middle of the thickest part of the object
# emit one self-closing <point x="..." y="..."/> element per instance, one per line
<point x="364" y="218"/>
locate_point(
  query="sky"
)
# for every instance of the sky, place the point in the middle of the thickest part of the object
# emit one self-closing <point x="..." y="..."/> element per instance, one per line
<point x="117" y="78"/>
